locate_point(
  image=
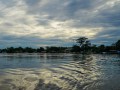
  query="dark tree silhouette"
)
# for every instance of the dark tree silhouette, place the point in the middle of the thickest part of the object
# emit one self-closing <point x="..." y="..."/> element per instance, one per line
<point x="84" y="44"/>
<point x="41" y="49"/>
<point x="81" y="41"/>
<point x="76" y="49"/>
<point x="118" y="45"/>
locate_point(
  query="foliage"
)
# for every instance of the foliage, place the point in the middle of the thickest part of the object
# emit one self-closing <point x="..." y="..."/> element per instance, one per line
<point x="81" y="41"/>
<point x="76" y="49"/>
<point x="83" y="45"/>
<point x="117" y="45"/>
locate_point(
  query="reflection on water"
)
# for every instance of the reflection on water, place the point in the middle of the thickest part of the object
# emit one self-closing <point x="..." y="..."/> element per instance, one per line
<point x="59" y="72"/>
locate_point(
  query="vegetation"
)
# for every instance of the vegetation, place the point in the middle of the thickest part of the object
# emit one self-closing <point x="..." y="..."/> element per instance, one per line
<point x="117" y="44"/>
<point x="83" y="45"/>
<point x="31" y="50"/>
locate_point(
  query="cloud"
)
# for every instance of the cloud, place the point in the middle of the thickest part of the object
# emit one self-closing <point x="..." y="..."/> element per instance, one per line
<point x="57" y="22"/>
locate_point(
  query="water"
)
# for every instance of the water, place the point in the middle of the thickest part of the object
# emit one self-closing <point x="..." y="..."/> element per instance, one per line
<point x="59" y="72"/>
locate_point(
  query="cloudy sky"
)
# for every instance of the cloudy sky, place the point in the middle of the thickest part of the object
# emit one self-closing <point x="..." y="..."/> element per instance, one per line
<point x="37" y="23"/>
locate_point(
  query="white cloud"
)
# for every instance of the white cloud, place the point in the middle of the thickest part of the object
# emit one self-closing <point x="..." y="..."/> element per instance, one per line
<point x="57" y="19"/>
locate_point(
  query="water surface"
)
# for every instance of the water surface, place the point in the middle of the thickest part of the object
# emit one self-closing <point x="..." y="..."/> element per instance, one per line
<point x="59" y="72"/>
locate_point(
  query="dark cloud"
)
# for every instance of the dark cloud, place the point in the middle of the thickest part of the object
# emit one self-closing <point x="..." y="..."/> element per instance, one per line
<point x="107" y="36"/>
<point x="75" y="5"/>
<point x="111" y="16"/>
<point x="24" y="21"/>
<point x="8" y="3"/>
<point x="32" y="2"/>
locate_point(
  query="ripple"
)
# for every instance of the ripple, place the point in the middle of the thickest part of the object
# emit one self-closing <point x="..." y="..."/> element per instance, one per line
<point x="30" y="79"/>
<point x="5" y="87"/>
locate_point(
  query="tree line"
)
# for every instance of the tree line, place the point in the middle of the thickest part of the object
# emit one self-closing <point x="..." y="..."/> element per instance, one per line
<point x="51" y="49"/>
<point x="83" y="45"/>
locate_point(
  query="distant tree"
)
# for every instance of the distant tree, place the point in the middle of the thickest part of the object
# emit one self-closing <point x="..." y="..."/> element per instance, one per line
<point x="41" y="49"/>
<point x="29" y="50"/>
<point x="107" y="49"/>
<point x="52" y="49"/>
<point x="10" y="50"/>
<point x="101" y="48"/>
<point x="19" y="50"/>
<point x="75" y="48"/>
<point x="117" y="45"/>
<point x="81" y="41"/>
<point x="113" y="46"/>
<point x="84" y="44"/>
<point x="87" y="45"/>
<point x="94" y="48"/>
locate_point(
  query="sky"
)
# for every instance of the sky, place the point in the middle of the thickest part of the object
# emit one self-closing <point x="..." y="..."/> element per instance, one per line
<point x="36" y="23"/>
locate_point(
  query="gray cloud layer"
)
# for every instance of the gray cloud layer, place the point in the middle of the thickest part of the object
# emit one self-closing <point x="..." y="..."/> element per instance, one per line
<point x="54" y="22"/>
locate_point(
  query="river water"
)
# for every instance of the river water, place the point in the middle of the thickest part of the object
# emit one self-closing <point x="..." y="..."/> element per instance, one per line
<point x="59" y="72"/>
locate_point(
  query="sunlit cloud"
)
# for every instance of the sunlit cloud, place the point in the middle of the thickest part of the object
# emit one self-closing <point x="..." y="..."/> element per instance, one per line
<point x="58" y="22"/>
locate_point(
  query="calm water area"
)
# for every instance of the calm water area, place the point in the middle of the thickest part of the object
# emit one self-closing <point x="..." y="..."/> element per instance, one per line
<point x="59" y="72"/>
